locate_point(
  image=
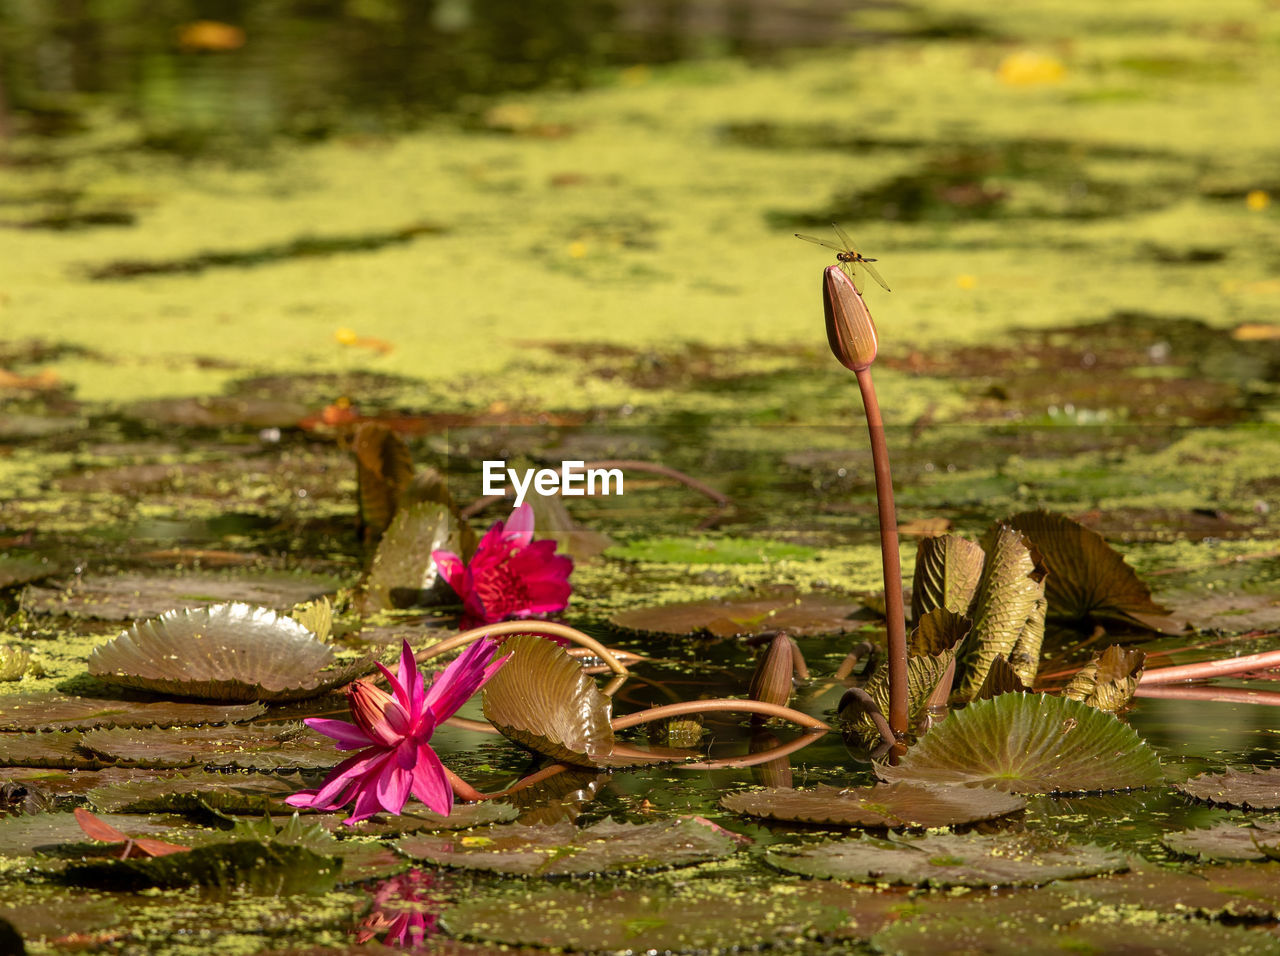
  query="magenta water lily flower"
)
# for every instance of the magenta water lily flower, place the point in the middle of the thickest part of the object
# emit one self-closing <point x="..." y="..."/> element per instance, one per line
<point x="391" y="732"/>
<point x="510" y="575"/>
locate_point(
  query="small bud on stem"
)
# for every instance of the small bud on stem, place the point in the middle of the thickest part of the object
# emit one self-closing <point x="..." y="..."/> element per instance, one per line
<point x="850" y="329"/>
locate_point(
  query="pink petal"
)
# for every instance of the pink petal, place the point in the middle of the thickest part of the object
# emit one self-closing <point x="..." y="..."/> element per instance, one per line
<point x="392" y="786"/>
<point x="452" y="569"/>
<point x="411" y="681"/>
<point x="519" y="528"/>
<point x="349" y="736"/>
<point x="460" y="680"/>
<point x="350" y="773"/>
<point x="430" y="785"/>
<point x="366" y="806"/>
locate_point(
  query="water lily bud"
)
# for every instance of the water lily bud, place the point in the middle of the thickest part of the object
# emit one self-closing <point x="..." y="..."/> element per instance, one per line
<point x="376" y="713"/>
<point x="771" y="682"/>
<point x="850" y="330"/>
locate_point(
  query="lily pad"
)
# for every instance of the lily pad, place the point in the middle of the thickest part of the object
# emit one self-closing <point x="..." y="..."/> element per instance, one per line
<point x="949" y="859"/>
<point x="745" y="614"/>
<point x="1003" y="936"/>
<point x="276" y="747"/>
<point x="1108" y="681"/>
<point x="1087" y="577"/>
<point x="128" y="597"/>
<point x="47" y="750"/>
<point x="1235" y="890"/>
<point x="1227" y="841"/>
<point x="1030" y="743"/>
<point x="417" y="818"/>
<point x="695" y="550"/>
<point x="1250" y="789"/>
<point x="948" y="568"/>
<point x="24" y="835"/>
<point x="561" y="849"/>
<point x="403" y="573"/>
<point x="226" y="793"/>
<point x="258" y="869"/>
<point x="892" y="805"/>
<point x="687" y="917"/>
<point x="543" y="699"/>
<point x="225" y="652"/>
<point x="21" y="568"/>
<point x="47" y="711"/>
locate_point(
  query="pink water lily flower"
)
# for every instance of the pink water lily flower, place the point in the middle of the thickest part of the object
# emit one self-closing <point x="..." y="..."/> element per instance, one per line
<point x="391" y="732"/>
<point x="510" y="575"/>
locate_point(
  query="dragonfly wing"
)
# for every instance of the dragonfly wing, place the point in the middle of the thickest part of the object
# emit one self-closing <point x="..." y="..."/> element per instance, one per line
<point x="850" y="269"/>
<point x="822" y="242"/>
<point x="844" y="237"/>
<point x="871" y="271"/>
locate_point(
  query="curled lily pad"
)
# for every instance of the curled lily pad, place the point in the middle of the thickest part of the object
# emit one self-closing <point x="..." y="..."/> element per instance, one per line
<point x="780" y="608"/>
<point x="1030" y="743"/>
<point x="948" y="568"/>
<point x="276" y="747"/>
<point x="226" y="793"/>
<point x="1227" y="841"/>
<point x="64" y="712"/>
<point x="949" y="859"/>
<point x="403" y="572"/>
<point x="692" y="916"/>
<point x="561" y="849"/>
<point x="891" y="806"/>
<point x="1108" y="681"/>
<point x="1250" y="789"/>
<point x="1087" y="577"/>
<point x="225" y="652"/>
<point x="128" y="597"/>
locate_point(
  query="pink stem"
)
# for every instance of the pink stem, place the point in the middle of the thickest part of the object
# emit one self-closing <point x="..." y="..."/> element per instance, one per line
<point x="464" y="638"/>
<point x="703" y="706"/>
<point x="1205" y="670"/>
<point x="1227" y="695"/>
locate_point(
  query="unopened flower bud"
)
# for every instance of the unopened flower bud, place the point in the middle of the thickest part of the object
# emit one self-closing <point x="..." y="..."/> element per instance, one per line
<point x="377" y="713"/>
<point x="850" y="330"/>
<point x="771" y="682"/>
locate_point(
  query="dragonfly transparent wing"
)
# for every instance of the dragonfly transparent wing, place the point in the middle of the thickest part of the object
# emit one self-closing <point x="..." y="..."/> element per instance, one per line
<point x="822" y="242"/>
<point x="871" y="271"/>
<point x="860" y="262"/>
<point x="844" y="237"/>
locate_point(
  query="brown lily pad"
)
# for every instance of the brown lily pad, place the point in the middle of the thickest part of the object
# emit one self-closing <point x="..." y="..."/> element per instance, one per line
<point x="1249" y="789"/>
<point x="128" y="597"/>
<point x="561" y="849"/>
<point x="1231" y="840"/>
<point x="24" y="835"/>
<point x="1030" y="743"/>
<point x="60" y="750"/>
<point x="801" y="615"/>
<point x="224" y="652"/>
<point x="54" y="782"/>
<point x="47" y="711"/>
<point x="949" y="859"/>
<point x="1108" y="681"/>
<point x="890" y="806"/>
<point x="1087" y="577"/>
<point x="225" y="792"/>
<point x="273" y="748"/>
<point x="948" y="568"/>
<point x="416" y="818"/>
<point x="1235" y="890"/>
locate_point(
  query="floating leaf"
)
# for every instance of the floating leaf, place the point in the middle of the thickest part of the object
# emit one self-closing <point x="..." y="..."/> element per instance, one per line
<point x="417" y="818"/>
<point x="688" y="917"/>
<point x="1087" y="577"/>
<point x="96" y="828"/>
<point x="777" y="609"/>
<point x="24" y="835"/>
<point x="224" y="652"/>
<point x="1030" y="743"/>
<point x="1236" y="890"/>
<point x="251" y="867"/>
<point x="51" y="711"/>
<point x="19" y="569"/>
<point x="1227" y="841"/>
<point x="273" y="747"/>
<point x="1251" y="789"/>
<point x="561" y="849"/>
<point x="46" y="750"/>
<point x="543" y="699"/>
<point x="949" y="859"/>
<point x="892" y="805"/>
<point x="403" y="570"/>
<point x="128" y="597"/>
<point x="226" y="793"/>
<point x="948" y="569"/>
<point x="1108" y="681"/>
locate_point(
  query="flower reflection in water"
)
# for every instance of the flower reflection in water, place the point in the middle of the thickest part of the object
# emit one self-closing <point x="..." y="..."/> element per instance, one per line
<point x="405" y="911"/>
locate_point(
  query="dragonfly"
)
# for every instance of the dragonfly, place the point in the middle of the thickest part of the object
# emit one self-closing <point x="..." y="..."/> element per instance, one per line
<point x="851" y="260"/>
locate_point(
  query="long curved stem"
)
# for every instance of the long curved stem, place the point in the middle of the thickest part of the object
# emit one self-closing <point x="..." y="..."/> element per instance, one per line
<point x="1222" y="667"/>
<point x="463" y="638"/>
<point x="751" y="760"/>
<point x="721" y="704"/>
<point x="464" y="791"/>
<point x="891" y="560"/>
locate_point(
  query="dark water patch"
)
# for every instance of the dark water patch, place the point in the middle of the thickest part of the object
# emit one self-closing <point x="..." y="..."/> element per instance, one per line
<point x="300" y="248"/>
<point x="69" y="220"/>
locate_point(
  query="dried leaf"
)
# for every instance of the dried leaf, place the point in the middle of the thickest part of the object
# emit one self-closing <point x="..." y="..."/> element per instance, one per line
<point x="384" y="468"/>
<point x="1109" y="680"/>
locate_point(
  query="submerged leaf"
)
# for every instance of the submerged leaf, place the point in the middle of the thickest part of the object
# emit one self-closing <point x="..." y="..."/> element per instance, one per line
<point x="225" y="652"/>
<point x="561" y="849"/>
<point x="777" y="609"/>
<point x="1012" y="586"/>
<point x="948" y="859"/>
<point x="1109" y="680"/>
<point x="1087" y="577"/>
<point x="1251" y="789"/>
<point x="1030" y="743"/>
<point x="891" y="805"/>
<point x="948" y="568"/>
